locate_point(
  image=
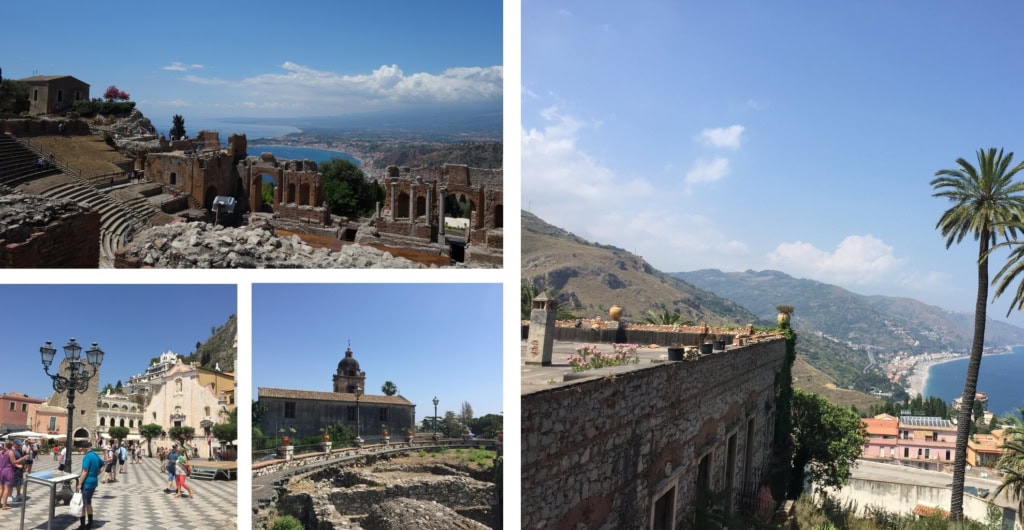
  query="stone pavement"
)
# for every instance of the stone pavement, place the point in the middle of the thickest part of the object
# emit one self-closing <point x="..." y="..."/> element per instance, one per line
<point x="137" y="501"/>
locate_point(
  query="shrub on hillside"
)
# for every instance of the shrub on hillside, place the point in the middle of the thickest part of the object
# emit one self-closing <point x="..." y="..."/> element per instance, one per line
<point x="92" y="108"/>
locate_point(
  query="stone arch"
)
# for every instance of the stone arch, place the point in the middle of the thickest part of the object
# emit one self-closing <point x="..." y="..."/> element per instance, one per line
<point x="103" y="421"/>
<point x="81" y="432"/>
<point x="211" y="193"/>
<point x="257" y="204"/>
<point x="304" y="194"/>
<point x="131" y="424"/>
<point x="121" y="423"/>
<point x="403" y="205"/>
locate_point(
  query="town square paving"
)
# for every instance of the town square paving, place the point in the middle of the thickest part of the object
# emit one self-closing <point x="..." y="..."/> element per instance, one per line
<point x="137" y="501"/>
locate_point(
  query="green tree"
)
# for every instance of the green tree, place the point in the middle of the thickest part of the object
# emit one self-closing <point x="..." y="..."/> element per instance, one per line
<point x="827" y="439"/>
<point x="466" y="414"/>
<point x="453" y="428"/>
<point x="986" y="203"/>
<point x="177" y="127"/>
<point x="14" y="97"/>
<point x="389" y="388"/>
<point x="258" y="410"/>
<point x="1011" y="467"/>
<point x="347" y="191"/>
<point x="118" y="433"/>
<point x="664" y="318"/>
<point x="150" y="431"/>
<point x="487" y="426"/>
<point x="267" y="193"/>
<point x="182" y="435"/>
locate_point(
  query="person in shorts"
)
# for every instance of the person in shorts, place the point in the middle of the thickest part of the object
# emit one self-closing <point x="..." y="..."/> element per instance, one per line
<point x="171" y="463"/>
<point x="122" y="456"/>
<point x="180" y="472"/>
<point x="88" y="481"/>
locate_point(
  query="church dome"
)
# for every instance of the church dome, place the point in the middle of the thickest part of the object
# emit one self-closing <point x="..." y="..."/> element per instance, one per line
<point x="349" y="365"/>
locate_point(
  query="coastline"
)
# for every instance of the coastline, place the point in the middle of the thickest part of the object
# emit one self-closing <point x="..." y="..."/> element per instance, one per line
<point x="918" y="379"/>
<point x="320" y="147"/>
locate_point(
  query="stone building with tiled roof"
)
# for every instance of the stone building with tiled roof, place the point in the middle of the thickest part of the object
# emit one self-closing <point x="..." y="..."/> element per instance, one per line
<point x="307" y="411"/>
<point x="54" y="94"/>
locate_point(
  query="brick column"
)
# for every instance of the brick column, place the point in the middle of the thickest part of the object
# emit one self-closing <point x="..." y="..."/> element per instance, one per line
<point x="442" y="192"/>
<point x="394" y="193"/>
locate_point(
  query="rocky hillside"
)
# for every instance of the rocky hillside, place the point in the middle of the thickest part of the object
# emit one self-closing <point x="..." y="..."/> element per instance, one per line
<point x="589" y="278"/>
<point x="872" y="323"/>
<point x="479" y="155"/>
<point x="219" y="349"/>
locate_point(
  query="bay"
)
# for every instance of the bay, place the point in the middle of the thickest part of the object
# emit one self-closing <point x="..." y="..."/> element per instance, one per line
<point x="999" y="378"/>
<point x="289" y="152"/>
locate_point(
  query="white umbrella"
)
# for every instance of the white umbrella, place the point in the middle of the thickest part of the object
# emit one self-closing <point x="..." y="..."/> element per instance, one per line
<point x="27" y="434"/>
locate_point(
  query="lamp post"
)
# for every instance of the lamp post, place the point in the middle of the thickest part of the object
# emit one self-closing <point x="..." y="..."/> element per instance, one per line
<point x="206" y="424"/>
<point x="435" y="417"/>
<point x="358" y="391"/>
<point x="77" y="379"/>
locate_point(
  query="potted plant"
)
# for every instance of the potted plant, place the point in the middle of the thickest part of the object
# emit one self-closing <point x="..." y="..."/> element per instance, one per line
<point x="286" y="439"/>
<point x="719" y="342"/>
<point x="384" y="432"/>
<point x="615" y="312"/>
<point x="784" y="314"/>
<point x="324" y="434"/>
<point x="675" y="352"/>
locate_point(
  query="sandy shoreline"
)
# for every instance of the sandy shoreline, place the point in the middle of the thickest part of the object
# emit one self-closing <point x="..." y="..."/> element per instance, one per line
<point x="918" y="380"/>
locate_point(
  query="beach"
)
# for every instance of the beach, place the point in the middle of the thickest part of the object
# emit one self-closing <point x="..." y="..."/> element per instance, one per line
<point x="918" y="379"/>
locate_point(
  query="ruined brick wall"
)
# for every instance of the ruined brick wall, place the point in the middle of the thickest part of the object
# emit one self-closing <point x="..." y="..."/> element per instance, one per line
<point x="305" y="214"/>
<point x="73" y="241"/>
<point x="601" y="451"/>
<point x="203" y="177"/>
<point x="311" y="415"/>
<point x="40" y="127"/>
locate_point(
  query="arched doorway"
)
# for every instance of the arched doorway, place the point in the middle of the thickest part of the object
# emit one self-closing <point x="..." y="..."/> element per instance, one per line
<point x="81" y="433"/>
<point x="421" y="206"/>
<point x="264" y="187"/>
<point x="304" y="195"/>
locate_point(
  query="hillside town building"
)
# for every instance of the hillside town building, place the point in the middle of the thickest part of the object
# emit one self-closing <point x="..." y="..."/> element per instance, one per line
<point x="17" y="411"/>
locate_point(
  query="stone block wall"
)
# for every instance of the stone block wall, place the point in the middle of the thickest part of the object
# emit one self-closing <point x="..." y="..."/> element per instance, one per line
<point x="41" y="127"/>
<point x="453" y="492"/>
<point x="601" y="451"/>
<point x="306" y="214"/>
<point x="69" y="238"/>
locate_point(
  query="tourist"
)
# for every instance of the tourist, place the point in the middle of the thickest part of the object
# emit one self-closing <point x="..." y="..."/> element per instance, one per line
<point x="18" y="457"/>
<point x="63" y="455"/>
<point x="56" y="452"/>
<point x="181" y="469"/>
<point x="88" y="482"/>
<point x="169" y="465"/>
<point x="122" y="456"/>
<point x="7" y="467"/>
<point x="108" y="460"/>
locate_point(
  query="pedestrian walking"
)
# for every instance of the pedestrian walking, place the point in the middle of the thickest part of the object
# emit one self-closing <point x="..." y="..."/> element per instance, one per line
<point x="7" y="467"/>
<point x="122" y="456"/>
<point x="181" y="470"/>
<point x="169" y="465"/>
<point x="87" y="484"/>
<point x="63" y="457"/>
<point x="108" y="468"/>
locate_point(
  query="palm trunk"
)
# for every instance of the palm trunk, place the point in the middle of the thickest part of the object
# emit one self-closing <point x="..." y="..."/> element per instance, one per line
<point x="963" y="426"/>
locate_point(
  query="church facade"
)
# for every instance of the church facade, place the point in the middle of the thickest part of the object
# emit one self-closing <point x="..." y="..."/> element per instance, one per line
<point x="307" y="411"/>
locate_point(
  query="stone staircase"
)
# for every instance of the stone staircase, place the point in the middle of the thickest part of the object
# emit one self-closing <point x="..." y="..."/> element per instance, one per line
<point x="117" y="218"/>
<point x="203" y="473"/>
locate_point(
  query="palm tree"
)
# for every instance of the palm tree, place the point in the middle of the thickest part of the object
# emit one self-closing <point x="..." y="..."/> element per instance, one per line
<point x="1011" y="467"/>
<point x="986" y="204"/>
<point x="389" y="388"/>
<point x="664" y="318"/>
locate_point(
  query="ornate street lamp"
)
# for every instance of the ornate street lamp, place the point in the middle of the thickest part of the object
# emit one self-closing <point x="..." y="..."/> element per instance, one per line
<point x="207" y="425"/>
<point x="77" y="379"/>
<point x="435" y="416"/>
<point x="358" y="391"/>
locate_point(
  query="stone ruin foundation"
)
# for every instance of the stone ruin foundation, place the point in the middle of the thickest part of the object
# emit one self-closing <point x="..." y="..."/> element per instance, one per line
<point x="405" y="492"/>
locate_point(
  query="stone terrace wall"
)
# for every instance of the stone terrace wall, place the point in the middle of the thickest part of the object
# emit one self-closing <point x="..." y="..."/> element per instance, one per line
<point x="36" y="232"/>
<point x="601" y="451"/>
<point x="452" y="492"/>
<point x="38" y="127"/>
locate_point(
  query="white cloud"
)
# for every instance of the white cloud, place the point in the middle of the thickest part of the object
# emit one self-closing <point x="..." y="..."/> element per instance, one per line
<point x="707" y="170"/>
<point x="570" y="188"/>
<point x="728" y="137"/>
<point x="206" y="80"/>
<point x="177" y="66"/>
<point x="857" y="260"/>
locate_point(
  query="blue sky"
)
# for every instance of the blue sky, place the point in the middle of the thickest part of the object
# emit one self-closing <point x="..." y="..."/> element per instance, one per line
<point x="130" y="323"/>
<point x="267" y="59"/>
<point x="441" y="340"/>
<point x="785" y="135"/>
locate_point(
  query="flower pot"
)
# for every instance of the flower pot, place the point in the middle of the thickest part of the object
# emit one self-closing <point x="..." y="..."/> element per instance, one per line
<point x="615" y="312"/>
<point x="705" y="349"/>
<point x="286" y="440"/>
<point x="676" y="354"/>
<point x="718" y="345"/>
<point x="783" y="318"/>
<point x="326" y="437"/>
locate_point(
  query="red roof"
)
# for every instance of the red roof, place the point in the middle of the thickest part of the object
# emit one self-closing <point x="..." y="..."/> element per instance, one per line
<point x="878" y="426"/>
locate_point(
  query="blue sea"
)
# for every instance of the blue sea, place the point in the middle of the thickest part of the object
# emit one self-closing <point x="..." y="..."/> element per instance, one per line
<point x="299" y="153"/>
<point x="226" y="127"/>
<point x="999" y="378"/>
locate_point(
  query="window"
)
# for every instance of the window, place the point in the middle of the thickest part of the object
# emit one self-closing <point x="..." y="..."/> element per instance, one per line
<point x="384" y="414"/>
<point x="663" y="511"/>
<point x="103" y="422"/>
<point x="131" y="424"/>
<point x="122" y="422"/>
<point x="53" y="427"/>
<point x="78" y="95"/>
<point x="35" y="95"/>
<point x="919" y="452"/>
<point x="177" y="385"/>
<point x="12" y="405"/>
<point x="906" y="452"/>
<point x="206" y="411"/>
<point x="24" y="407"/>
<point x="947" y="454"/>
<point x="289" y="409"/>
<point x="174" y="178"/>
<point x="927" y="453"/>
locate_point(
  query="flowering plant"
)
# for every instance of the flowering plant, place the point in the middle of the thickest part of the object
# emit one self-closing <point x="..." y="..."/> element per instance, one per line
<point x="589" y="357"/>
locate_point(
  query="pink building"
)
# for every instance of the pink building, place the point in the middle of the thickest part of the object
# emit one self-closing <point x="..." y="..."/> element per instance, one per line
<point x="883" y="431"/>
<point x="926" y="438"/>
<point x="15" y="411"/>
